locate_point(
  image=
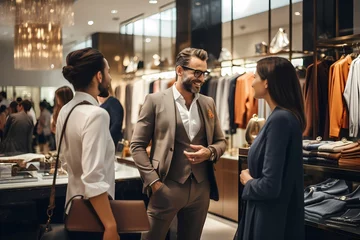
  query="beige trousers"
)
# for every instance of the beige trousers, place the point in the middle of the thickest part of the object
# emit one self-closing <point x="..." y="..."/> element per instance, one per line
<point x="188" y="201"/>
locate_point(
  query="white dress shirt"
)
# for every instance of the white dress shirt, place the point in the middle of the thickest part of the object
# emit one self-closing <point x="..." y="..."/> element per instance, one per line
<point x="31" y="114"/>
<point x="352" y="97"/>
<point x="87" y="151"/>
<point x="190" y="117"/>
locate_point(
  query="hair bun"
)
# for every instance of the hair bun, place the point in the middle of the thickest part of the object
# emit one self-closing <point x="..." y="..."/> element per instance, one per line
<point x="68" y="72"/>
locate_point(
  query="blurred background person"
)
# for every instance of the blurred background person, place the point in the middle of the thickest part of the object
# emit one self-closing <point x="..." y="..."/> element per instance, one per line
<point x="13" y="107"/>
<point x="18" y="131"/>
<point x="116" y="112"/>
<point x="3" y="99"/>
<point x="43" y="128"/>
<point x="62" y="96"/>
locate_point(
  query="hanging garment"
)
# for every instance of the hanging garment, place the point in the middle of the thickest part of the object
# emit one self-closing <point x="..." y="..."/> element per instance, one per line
<point x="231" y="103"/>
<point x="245" y="103"/>
<point x="338" y="112"/>
<point x="352" y="97"/>
<point x="320" y="102"/>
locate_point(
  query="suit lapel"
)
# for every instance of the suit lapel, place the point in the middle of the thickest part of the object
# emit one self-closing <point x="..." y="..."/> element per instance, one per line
<point x="169" y="104"/>
<point x="204" y="108"/>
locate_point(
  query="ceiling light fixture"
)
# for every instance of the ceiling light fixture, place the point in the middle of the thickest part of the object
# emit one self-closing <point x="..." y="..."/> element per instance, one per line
<point x="114" y="11"/>
<point x="37" y="31"/>
<point x="153" y="1"/>
<point x="117" y="58"/>
<point x="90" y="22"/>
<point x="297" y="14"/>
<point x="148" y="40"/>
<point x="198" y="3"/>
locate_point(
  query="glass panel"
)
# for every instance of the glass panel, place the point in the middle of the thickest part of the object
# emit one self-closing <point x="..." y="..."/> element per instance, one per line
<point x="138" y="39"/>
<point x="152" y="25"/>
<point x="168" y="18"/>
<point x="123" y="29"/>
<point x="130" y="29"/>
<point x="226" y="54"/>
<point x="356" y="16"/>
<point x="297" y="26"/>
<point x="250" y="31"/>
<point x="152" y="33"/>
<point x="279" y="26"/>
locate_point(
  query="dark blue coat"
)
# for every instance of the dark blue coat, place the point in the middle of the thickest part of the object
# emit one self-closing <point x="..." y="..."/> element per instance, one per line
<point x="116" y="113"/>
<point x="274" y="198"/>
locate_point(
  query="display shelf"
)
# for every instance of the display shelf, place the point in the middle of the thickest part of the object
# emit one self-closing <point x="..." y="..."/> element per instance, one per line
<point x="349" y="173"/>
<point x="338" y="41"/>
<point x="353" y="232"/>
<point x="253" y="59"/>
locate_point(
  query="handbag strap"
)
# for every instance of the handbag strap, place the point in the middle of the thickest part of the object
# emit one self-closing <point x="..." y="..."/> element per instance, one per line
<point x="50" y="209"/>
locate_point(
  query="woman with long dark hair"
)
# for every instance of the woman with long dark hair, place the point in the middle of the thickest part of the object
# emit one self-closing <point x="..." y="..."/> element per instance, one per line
<point x="273" y="184"/>
<point x="63" y="95"/>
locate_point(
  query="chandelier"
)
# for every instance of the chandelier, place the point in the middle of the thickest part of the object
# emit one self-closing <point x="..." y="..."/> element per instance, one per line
<point x="37" y="31"/>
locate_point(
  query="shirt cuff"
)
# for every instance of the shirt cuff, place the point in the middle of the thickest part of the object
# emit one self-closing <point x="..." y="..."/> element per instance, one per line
<point x="154" y="182"/>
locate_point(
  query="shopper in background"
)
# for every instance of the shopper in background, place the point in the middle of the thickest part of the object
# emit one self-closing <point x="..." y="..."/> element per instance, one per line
<point x="116" y="113"/>
<point x="13" y="107"/>
<point x="18" y="130"/>
<point x="63" y="95"/>
<point x="3" y="118"/>
<point x="88" y="153"/>
<point x="186" y="141"/>
<point x="273" y="184"/>
<point x="3" y="99"/>
<point x="43" y="128"/>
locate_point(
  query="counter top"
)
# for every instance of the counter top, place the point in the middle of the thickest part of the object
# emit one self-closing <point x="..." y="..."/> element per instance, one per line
<point x="122" y="172"/>
<point x="225" y="156"/>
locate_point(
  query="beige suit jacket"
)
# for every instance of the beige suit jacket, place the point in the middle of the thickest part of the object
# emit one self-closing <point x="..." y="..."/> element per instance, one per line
<point x="157" y="123"/>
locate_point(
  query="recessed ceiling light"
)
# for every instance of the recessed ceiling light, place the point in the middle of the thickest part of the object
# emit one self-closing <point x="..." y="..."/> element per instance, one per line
<point x="114" y="11"/>
<point x="148" y="40"/>
<point x="90" y="23"/>
<point x="117" y="58"/>
<point x="52" y="66"/>
<point x="153" y="1"/>
<point x="52" y="10"/>
<point x="297" y="14"/>
<point x="198" y="3"/>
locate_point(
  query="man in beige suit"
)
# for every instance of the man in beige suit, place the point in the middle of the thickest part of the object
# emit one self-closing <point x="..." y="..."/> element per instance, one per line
<point x="186" y="141"/>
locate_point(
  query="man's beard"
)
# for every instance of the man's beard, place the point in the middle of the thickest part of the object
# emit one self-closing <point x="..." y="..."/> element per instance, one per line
<point x="188" y="85"/>
<point x="104" y="92"/>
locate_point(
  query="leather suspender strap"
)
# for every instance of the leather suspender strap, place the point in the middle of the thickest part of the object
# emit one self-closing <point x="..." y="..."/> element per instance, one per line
<point x="51" y="206"/>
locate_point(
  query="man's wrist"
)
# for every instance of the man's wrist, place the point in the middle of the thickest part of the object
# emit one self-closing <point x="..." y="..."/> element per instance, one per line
<point x="212" y="153"/>
<point x="153" y="182"/>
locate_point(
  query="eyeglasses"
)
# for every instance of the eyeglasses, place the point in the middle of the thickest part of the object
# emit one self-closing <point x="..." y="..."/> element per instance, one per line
<point x="197" y="73"/>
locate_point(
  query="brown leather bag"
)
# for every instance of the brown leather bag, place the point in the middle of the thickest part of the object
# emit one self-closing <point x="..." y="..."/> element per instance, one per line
<point x="130" y="215"/>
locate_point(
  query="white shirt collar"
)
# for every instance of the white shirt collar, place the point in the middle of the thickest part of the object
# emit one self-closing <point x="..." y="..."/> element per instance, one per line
<point x="178" y="95"/>
<point x="81" y="96"/>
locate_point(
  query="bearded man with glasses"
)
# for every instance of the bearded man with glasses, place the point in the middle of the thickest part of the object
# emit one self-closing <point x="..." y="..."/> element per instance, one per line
<point x="186" y="142"/>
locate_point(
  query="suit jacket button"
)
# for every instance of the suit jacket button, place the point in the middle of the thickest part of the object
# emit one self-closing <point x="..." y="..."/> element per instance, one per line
<point x="171" y="149"/>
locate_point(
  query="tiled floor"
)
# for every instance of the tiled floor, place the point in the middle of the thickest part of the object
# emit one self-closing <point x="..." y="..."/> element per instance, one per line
<point x="217" y="228"/>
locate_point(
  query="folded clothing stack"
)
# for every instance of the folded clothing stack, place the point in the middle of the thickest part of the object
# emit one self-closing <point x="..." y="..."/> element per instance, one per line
<point x="331" y="152"/>
<point x="333" y="206"/>
<point x="328" y="189"/>
<point x="350" y="157"/>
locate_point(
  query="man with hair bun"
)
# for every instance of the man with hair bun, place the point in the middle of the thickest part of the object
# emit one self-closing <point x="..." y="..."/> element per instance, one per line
<point x="88" y="152"/>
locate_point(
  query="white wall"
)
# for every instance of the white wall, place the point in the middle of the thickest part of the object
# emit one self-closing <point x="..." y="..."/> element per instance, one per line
<point x="11" y="77"/>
